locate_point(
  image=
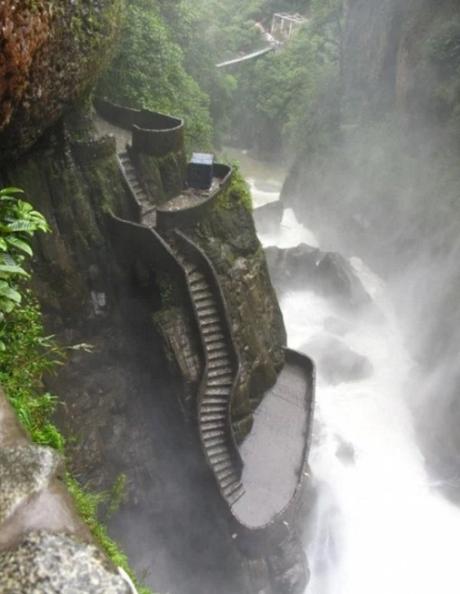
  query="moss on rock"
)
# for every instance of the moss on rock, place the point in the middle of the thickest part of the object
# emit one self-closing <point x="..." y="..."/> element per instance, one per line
<point x="64" y="46"/>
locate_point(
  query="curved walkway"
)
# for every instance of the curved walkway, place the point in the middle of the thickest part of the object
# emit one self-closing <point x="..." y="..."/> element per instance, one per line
<point x="274" y="453"/>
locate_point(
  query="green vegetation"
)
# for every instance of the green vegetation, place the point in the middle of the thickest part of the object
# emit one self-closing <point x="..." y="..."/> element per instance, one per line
<point x="148" y="71"/>
<point x="28" y="354"/>
<point x="18" y="223"/>
<point x="282" y="103"/>
<point x="286" y="101"/>
<point x="238" y="193"/>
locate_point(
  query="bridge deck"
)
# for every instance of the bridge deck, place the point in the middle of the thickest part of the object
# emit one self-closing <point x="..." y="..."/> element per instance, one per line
<point x="247" y="57"/>
<point x="273" y="453"/>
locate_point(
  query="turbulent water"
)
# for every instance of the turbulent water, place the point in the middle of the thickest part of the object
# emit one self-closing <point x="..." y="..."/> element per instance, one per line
<point x="379" y="525"/>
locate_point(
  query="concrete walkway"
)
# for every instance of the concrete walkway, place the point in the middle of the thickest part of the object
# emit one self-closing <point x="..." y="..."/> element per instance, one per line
<point x="273" y="453"/>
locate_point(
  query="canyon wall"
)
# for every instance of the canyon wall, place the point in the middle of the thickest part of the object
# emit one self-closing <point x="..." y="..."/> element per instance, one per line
<point x="388" y="189"/>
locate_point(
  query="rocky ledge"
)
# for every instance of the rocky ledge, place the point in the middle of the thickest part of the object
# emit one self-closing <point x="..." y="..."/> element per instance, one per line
<point x="44" y="546"/>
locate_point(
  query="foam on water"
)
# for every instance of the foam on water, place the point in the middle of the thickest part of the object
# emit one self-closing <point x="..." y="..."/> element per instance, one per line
<point x="378" y="526"/>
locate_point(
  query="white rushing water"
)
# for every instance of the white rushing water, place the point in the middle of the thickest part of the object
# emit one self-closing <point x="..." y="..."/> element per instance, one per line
<point x="378" y="526"/>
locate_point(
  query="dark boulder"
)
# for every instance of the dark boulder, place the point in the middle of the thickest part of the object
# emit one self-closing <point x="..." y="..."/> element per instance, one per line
<point x="336" y="362"/>
<point x="326" y="273"/>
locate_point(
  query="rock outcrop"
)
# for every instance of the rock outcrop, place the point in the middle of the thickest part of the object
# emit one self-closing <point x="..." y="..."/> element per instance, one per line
<point x="51" y="56"/>
<point x="44" y="545"/>
<point x="326" y="273"/>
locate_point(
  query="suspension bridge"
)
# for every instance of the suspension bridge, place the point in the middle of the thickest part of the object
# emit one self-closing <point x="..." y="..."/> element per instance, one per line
<point x="283" y="27"/>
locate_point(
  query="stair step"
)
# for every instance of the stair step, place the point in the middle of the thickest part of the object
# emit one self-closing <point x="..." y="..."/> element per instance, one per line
<point x="215" y="336"/>
<point x="218" y="365"/>
<point x="225" y="475"/>
<point x="221" y="382"/>
<point x="235" y="495"/>
<point x="212" y="442"/>
<point x="200" y="286"/>
<point x="195" y="276"/>
<point x="212" y="346"/>
<point x="215" y="401"/>
<point x="218" y="459"/>
<point x="212" y="419"/>
<point x="214" y="396"/>
<point x="219" y="372"/>
<point x="221" y="466"/>
<point x="214" y="426"/>
<point x="201" y="296"/>
<point x="221" y="409"/>
<point x="217" y="391"/>
<point x="218" y="453"/>
<point x="227" y="483"/>
<point x="208" y="314"/>
<point x="217" y="356"/>
<point x="212" y="333"/>
<point x="217" y="450"/>
<point x="213" y="434"/>
<point x="203" y="304"/>
<point x="221" y="361"/>
<point x="209" y="320"/>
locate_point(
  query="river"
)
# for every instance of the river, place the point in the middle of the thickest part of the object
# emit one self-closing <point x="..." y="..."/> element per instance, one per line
<point x="379" y="525"/>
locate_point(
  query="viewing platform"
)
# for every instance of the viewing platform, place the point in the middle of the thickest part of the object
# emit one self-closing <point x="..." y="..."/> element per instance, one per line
<point x="275" y="453"/>
<point x="143" y="132"/>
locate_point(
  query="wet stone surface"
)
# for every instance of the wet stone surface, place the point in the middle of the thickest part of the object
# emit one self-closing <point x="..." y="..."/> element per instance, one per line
<point x="24" y="471"/>
<point x="191" y="197"/>
<point x="273" y="453"/>
<point x="57" y="564"/>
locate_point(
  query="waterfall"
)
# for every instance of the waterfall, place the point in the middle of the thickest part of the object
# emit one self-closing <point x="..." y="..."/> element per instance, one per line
<point x="378" y="523"/>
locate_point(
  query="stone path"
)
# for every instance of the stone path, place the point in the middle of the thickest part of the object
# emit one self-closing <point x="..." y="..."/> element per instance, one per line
<point x="273" y="453"/>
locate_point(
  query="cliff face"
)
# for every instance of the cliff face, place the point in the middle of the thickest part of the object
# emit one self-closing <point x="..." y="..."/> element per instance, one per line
<point x="51" y="54"/>
<point x="395" y="56"/>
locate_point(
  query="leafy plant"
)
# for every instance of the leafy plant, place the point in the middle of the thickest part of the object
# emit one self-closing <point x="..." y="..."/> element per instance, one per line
<point x="18" y="224"/>
<point x="149" y="71"/>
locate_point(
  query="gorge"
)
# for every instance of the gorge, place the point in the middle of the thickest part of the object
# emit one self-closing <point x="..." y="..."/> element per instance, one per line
<point x="177" y="309"/>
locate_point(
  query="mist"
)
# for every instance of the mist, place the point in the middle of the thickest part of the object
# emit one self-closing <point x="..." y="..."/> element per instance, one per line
<point x="348" y="137"/>
<point x="255" y="250"/>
